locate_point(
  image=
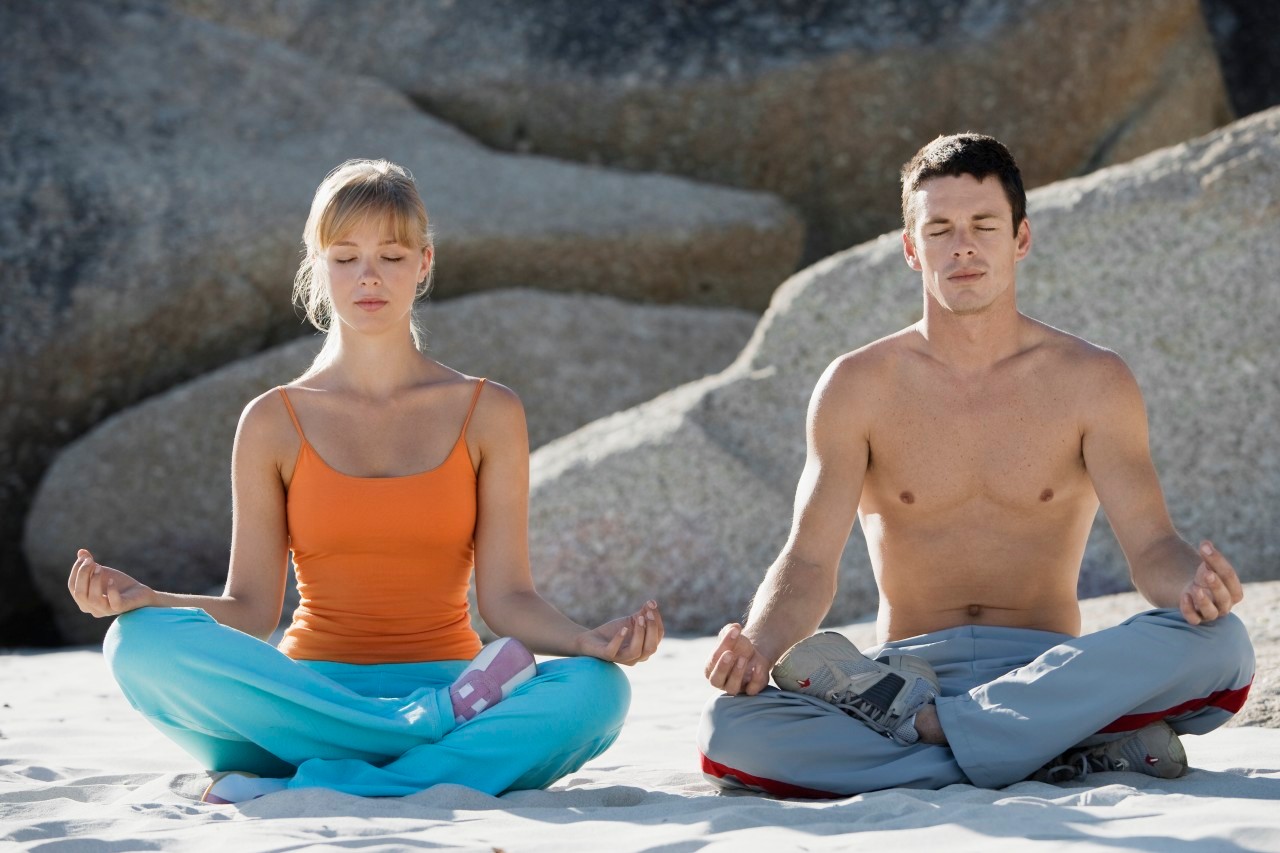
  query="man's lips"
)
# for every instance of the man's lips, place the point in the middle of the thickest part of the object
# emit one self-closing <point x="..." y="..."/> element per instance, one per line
<point x="966" y="275"/>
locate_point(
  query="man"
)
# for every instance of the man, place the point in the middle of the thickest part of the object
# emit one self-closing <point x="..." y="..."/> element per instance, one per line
<point x="975" y="447"/>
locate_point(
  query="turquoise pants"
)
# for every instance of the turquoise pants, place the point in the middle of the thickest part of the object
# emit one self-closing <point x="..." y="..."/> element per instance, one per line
<point x="375" y="730"/>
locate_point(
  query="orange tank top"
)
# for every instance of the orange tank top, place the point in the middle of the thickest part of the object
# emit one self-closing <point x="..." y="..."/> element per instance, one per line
<point x="383" y="563"/>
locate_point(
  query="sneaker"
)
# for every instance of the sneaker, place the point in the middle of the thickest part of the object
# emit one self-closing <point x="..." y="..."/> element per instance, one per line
<point x="1154" y="750"/>
<point x="885" y="694"/>
<point x="500" y="668"/>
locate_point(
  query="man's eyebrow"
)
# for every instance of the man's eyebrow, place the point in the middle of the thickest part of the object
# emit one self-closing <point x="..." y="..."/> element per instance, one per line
<point x="944" y="220"/>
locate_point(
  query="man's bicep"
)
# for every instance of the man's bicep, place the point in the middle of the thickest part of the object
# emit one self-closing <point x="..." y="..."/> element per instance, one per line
<point x="1117" y="456"/>
<point x="835" y="468"/>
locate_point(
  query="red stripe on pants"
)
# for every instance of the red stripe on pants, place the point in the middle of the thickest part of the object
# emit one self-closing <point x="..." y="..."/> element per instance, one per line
<point x="769" y="786"/>
<point x="1228" y="700"/>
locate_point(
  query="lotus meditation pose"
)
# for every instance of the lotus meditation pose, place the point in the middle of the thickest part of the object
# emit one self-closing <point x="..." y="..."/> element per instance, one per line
<point x="390" y="479"/>
<point x="974" y="447"/>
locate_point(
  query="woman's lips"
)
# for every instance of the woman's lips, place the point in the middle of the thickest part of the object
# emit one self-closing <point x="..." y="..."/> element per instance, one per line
<point x="371" y="304"/>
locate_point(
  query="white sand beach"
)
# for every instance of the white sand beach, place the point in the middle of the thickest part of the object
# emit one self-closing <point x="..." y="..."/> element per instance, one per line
<point x="81" y="771"/>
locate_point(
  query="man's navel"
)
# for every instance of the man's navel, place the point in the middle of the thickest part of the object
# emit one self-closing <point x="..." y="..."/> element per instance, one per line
<point x="975" y="610"/>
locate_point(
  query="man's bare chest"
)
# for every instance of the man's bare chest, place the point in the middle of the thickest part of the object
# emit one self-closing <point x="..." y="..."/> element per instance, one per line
<point x="1017" y="448"/>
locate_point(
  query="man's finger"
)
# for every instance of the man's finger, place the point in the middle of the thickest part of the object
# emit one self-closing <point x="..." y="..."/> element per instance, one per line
<point x="1187" y="605"/>
<point x="1222" y="567"/>
<point x="759" y="677"/>
<point x="1204" y="604"/>
<point x="720" y="669"/>
<point x="733" y="684"/>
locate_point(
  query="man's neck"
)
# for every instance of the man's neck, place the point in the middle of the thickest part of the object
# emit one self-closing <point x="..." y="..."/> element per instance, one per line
<point x="972" y="343"/>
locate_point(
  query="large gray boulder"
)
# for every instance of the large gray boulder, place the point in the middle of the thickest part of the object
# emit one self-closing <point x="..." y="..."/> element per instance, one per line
<point x="819" y="102"/>
<point x="155" y="173"/>
<point x="1169" y="260"/>
<point x="149" y="489"/>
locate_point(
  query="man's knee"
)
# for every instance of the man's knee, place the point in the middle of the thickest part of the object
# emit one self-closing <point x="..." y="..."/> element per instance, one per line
<point x="1221" y="645"/>
<point x="727" y="729"/>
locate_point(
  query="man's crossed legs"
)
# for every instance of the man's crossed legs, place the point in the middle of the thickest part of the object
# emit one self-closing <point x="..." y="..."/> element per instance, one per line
<point x="1010" y="701"/>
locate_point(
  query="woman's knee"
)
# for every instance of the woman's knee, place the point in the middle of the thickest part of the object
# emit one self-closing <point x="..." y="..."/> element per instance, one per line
<point x="599" y="688"/>
<point x="147" y="639"/>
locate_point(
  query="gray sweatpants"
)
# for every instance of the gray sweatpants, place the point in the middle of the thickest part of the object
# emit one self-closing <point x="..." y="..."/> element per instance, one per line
<point x="1012" y="699"/>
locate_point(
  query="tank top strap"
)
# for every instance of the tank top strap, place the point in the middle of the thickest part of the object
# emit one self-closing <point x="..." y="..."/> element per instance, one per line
<point x="475" y="398"/>
<point x="292" y="415"/>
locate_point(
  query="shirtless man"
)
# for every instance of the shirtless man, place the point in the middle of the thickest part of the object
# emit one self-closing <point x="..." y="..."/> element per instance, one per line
<point x="975" y="447"/>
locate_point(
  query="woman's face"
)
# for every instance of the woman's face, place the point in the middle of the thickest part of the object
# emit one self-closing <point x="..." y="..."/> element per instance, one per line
<point x="372" y="278"/>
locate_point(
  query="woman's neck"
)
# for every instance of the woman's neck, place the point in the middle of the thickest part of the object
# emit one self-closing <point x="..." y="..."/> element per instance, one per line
<point x="375" y="368"/>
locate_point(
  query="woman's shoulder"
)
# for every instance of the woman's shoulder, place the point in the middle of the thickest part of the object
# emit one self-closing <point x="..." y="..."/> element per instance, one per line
<point x="267" y="416"/>
<point x="498" y="414"/>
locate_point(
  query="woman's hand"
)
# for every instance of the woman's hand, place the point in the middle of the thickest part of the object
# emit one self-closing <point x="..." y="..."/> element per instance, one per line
<point x="628" y="640"/>
<point x="103" y="591"/>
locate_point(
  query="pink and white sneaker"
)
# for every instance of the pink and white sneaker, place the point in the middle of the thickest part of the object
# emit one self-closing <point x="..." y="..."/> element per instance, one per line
<point x="500" y="668"/>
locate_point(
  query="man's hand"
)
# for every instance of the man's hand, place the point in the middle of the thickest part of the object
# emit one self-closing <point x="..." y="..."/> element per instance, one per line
<point x="735" y="666"/>
<point x="1214" y="589"/>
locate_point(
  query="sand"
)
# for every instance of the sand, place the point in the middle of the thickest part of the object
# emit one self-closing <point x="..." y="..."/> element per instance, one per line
<point x="80" y="770"/>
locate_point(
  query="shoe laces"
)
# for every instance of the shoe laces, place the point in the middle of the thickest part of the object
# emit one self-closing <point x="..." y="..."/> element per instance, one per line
<point x="1079" y="764"/>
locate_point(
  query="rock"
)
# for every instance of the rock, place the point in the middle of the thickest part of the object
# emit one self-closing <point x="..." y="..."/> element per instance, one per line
<point x="1166" y="260"/>
<point x="148" y="490"/>
<point x="1259" y="612"/>
<point x="155" y="173"/>
<point x="818" y="102"/>
<point x="1245" y="33"/>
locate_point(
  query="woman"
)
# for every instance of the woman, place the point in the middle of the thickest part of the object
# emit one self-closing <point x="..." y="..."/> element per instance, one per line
<point x="388" y="476"/>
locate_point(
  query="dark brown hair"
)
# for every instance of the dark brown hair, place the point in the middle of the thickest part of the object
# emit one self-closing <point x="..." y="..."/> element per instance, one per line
<point x="964" y="154"/>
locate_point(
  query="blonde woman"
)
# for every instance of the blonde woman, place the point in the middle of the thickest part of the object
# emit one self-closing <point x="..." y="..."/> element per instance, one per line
<point x="389" y="477"/>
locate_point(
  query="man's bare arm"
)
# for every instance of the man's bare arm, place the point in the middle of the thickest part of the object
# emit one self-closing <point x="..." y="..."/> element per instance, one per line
<point x="798" y="588"/>
<point x="1167" y="570"/>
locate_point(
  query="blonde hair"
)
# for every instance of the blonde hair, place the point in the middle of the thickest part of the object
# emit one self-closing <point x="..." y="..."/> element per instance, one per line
<point x="348" y="195"/>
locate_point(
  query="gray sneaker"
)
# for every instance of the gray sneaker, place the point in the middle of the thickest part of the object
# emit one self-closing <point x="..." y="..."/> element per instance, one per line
<point x="1154" y="750"/>
<point x="885" y="694"/>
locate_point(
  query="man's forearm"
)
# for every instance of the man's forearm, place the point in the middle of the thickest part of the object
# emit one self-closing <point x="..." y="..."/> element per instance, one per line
<point x="1163" y="570"/>
<point x="790" y="604"/>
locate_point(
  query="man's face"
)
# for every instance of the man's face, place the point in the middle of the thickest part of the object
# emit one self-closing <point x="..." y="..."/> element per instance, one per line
<point x="963" y="243"/>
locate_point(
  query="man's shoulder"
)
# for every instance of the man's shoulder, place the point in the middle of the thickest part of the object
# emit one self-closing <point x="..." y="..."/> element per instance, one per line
<point x="1098" y="374"/>
<point x="1077" y="355"/>
<point x="877" y="357"/>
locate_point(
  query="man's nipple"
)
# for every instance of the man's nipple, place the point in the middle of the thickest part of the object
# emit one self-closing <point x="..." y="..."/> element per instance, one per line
<point x="1046" y="495"/>
<point x="907" y="498"/>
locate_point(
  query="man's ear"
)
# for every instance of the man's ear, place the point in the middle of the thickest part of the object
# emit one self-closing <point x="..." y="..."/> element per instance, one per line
<point x="909" y="252"/>
<point x="1023" y="240"/>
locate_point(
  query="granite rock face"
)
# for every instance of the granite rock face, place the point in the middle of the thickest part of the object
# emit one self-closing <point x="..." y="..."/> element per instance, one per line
<point x="1168" y="260"/>
<point x="149" y="489"/>
<point x="155" y="174"/>
<point x="819" y="102"/>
